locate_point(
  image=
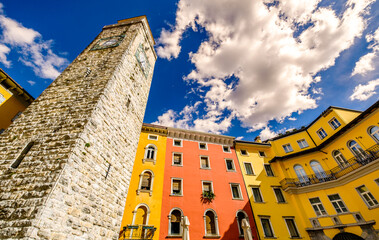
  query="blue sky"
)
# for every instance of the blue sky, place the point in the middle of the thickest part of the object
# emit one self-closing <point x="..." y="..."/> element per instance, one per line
<point x="241" y="68"/>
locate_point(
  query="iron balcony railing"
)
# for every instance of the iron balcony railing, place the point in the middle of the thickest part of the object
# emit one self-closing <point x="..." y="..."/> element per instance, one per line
<point x="370" y="155"/>
<point x="137" y="232"/>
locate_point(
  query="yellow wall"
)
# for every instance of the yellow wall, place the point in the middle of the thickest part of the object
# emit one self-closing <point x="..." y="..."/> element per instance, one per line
<point x="291" y="139"/>
<point x="10" y="107"/>
<point x="154" y="202"/>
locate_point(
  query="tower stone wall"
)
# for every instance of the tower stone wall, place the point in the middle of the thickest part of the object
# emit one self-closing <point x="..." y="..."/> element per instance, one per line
<point x="72" y="183"/>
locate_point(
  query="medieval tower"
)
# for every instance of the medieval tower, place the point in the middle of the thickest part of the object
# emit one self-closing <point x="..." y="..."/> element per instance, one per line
<point x="66" y="161"/>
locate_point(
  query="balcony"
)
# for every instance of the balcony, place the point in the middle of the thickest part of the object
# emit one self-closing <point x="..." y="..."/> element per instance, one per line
<point x="137" y="232"/>
<point x="371" y="155"/>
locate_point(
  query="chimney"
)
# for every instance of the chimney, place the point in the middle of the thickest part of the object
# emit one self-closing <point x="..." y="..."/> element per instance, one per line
<point x="258" y="139"/>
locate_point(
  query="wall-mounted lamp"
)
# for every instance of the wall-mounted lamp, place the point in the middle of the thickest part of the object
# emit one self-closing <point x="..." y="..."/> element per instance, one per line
<point x="359" y="137"/>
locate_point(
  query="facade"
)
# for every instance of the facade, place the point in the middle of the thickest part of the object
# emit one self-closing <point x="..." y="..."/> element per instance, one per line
<point x="13" y="100"/>
<point x="66" y="162"/>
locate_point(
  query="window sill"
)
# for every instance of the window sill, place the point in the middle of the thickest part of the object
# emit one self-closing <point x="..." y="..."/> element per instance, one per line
<point x="250" y="174"/>
<point x="176" y="195"/>
<point x="148" y="160"/>
<point x="174" y="236"/>
<point x="177" y="165"/>
<point x="205" y="168"/>
<point x="261" y="202"/>
<point x="282" y="202"/>
<point x="212" y="236"/>
<point x="271" y="237"/>
<point x="373" y="207"/>
<point x="144" y="191"/>
<point x="295" y="237"/>
<point x="240" y="199"/>
<point x="231" y="170"/>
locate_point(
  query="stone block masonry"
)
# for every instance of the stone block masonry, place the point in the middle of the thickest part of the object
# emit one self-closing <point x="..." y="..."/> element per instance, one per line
<point x="85" y="126"/>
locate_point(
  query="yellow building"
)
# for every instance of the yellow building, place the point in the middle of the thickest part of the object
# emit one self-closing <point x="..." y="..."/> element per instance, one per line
<point x="144" y="200"/>
<point x="326" y="178"/>
<point x="13" y="100"/>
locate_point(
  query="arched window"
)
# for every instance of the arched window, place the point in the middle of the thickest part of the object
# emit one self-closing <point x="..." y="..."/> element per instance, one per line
<point x="211" y="223"/>
<point x="150" y="153"/>
<point x="146" y="182"/>
<point x="240" y="216"/>
<point x="300" y="173"/>
<point x="340" y="159"/>
<point x="356" y="149"/>
<point x="374" y="133"/>
<point x="317" y="169"/>
<point x="140" y="215"/>
<point x="175" y="219"/>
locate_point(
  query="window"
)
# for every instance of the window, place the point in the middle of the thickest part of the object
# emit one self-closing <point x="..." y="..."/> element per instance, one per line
<point x="140" y="215"/>
<point x="177" y="159"/>
<point x="262" y="154"/>
<point x="230" y="165"/>
<point x="377" y="181"/>
<point x="211" y="223"/>
<point x="357" y="150"/>
<point x="292" y="229"/>
<point x="226" y="149"/>
<point x="337" y="203"/>
<point x="257" y="194"/>
<point x="318" y="170"/>
<point x="334" y="123"/>
<point x="340" y="159"/>
<point x="236" y="191"/>
<point x="317" y="206"/>
<point x="152" y="137"/>
<point x="204" y="162"/>
<point x="269" y="171"/>
<point x="203" y="146"/>
<point x="177" y="143"/>
<point x="175" y="219"/>
<point x="22" y="155"/>
<point x="240" y="216"/>
<point x="279" y="195"/>
<point x="207" y="187"/>
<point x="243" y="152"/>
<point x="287" y="148"/>
<point x="146" y="182"/>
<point x="302" y="143"/>
<point x="266" y="225"/>
<point x="176" y="186"/>
<point x="150" y="152"/>
<point x="301" y="175"/>
<point x="2" y="98"/>
<point x="248" y="168"/>
<point x="367" y="196"/>
<point x="321" y="133"/>
<point x="374" y="133"/>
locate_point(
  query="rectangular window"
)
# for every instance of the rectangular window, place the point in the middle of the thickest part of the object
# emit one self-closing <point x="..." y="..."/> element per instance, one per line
<point x="367" y="196"/>
<point x="257" y="194"/>
<point x="207" y="187"/>
<point x="279" y="195"/>
<point x="229" y="165"/>
<point x="152" y="137"/>
<point x="334" y="123"/>
<point x="287" y="148"/>
<point x="267" y="229"/>
<point x="243" y="152"/>
<point x="177" y="142"/>
<point x="269" y="171"/>
<point x="204" y="162"/>
<point x="337" y="203"/>
<point x="302" y="143"/>
<point x="376" y="180"/>
<point x="236" y="191"/>
<point x="292" y="229"/>
<point x="177" y="159"/>
<point x="321" y="133"/>
<point x="262" y="154"/>
<point x="317" y="206"/>
<point x="2" y="98"/>
<point x="226" y="149"/>
<point x="248" y="168"/>
<point x="176" y="187"/>
<point x="203" y="146"/>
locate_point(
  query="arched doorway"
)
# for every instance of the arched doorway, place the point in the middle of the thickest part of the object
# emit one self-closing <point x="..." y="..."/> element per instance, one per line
<point x="347" y="236"/>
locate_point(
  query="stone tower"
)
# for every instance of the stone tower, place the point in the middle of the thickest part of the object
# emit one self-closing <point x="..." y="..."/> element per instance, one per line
<point x="66" y="162"/>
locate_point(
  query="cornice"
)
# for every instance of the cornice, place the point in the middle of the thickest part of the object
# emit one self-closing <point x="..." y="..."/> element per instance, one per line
<point x="199" y="136"/>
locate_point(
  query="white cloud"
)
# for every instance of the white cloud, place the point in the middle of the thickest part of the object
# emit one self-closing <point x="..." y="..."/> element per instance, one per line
<point x="31" y="82"/>
<point x="364" y="92"/>
<point x="35" y="52"/>
<point x="369" y="61"/>
<point x="255" y="43"/>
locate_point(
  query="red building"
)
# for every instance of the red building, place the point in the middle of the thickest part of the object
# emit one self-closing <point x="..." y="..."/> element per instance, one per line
<point x="203" y="181"/>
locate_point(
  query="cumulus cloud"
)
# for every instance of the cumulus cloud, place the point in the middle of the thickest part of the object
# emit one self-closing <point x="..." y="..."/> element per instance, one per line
<point x="35" y="52"/>
<point x="369" y="61"/>
<point x="364" y="92"/>
<point x="274" y="50"/>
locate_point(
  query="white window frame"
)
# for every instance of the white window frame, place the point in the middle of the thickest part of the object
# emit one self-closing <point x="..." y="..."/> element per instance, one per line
<point x="321" y="135"/>
<point x="181" y="163"/>
<point x="252" y="169"/>
<point x="264" y="166"/>
<point x="169" y="223"/>
<point x="369" y="194"/>
<point x="226" y="165"/>
<point x="372" y="135"/>
<point x="151" y="137"/>
<point x="228" y="151"/>
<point x="135" y="213"/>
<point x="209" y="162"/>
<point x="247" y="153"/>
<point x="260" y="155"/>
<point x="181" y="187"/>
<point x="139" y="190"/>
<point x="333" y="120"/>
<point x="276" y="196"/>
<point x="154" y="160"/>
<point x="180" y="140"/>
<point x="338" y="202"/>
<point x="301" y="143"/>
<point x="269" y="222"/>
<point x="339" y="156"/>
<point x="216" y="223"/>
<point x="206" y="181"/>
<point x="294" y="223"/>
<point x="239" y="191"/>
<point x="317" y="205"/>
<point x="287" y="148"/>
<point x="206" y="146"/>
<point x="2" y="98"/>
<point x="260" y="194"/>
